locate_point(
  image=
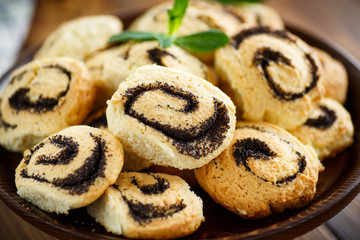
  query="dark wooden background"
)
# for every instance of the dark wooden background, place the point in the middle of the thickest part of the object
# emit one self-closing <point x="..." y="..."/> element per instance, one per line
<point x="333" y="20"/>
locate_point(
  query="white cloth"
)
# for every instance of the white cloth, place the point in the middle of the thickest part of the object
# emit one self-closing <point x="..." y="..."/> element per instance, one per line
<point x="15" y="21"/>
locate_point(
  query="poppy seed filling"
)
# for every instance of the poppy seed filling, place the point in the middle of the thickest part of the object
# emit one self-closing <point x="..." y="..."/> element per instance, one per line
<point x="146" y="213"/>
<point x="4" y="124"/>
<point x="20" y="100"/>
<point x="247" y="148"/>
<point x="240" y="37"/>
<point x="69" y="150"/>
<point x="324" y="121"/>
<point x="251" y="148"/>
<point x="82" y="178"/>
<point x="156" y="55"/>
<point x="196" y="141"/>
<point x="264" y="56"/>
<point x="149" y="189"/>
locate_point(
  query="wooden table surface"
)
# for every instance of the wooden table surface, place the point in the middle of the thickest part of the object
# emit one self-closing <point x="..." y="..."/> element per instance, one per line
<point x="338" y="21"/>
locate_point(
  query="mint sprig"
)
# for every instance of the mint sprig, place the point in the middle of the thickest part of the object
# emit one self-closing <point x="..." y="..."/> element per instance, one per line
<point x="164" y="40"/>
<point x="199" y="42"/>
<point x="141" y="36"/>
<point x="176" y="14"/>
<point x="203" y="41"/>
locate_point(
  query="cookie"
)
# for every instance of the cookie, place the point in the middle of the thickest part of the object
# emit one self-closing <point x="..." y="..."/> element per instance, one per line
<point x="79" y="37"/>
<point x="258" y="13"/>
<point x="41" y="98"/>
<point x="329" y="129"/>
<point x="113" y="65"/>
<point x="336" y="79"/>
<point x="154" y="205"/>
<point x="264" y="170"/>
<point x="200" y="16"/>
<point x="69" y="169"/>
<point x="274" y="75"/>
<point x="171" y="118"/>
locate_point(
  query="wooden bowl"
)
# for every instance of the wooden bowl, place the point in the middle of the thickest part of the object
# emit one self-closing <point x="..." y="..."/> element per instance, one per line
<point x="337" y="185"/>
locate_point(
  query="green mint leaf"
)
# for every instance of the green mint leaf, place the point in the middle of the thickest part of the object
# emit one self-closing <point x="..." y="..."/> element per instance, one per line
<point x="203" y="41"/>
<point x="176" y="15"/>
<point x="199" y="42"/>
<point x="164" y="40"/>
<point x="238" y="1"/>
<point x="140" y="36"/>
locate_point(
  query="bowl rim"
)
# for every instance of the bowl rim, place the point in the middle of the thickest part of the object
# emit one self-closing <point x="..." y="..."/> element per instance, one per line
<point x="318" y="212"/>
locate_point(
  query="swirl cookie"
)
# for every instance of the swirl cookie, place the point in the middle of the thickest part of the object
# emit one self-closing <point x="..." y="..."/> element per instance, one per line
<point x="113" y="65"/>
<point x="154" y="205"/>
<point x="336" y="79"/>
<point x="329" y="129"/>
<point x="264" y="170"/>
<point x="41" y="98"/>
<point x="69" y="169"/>
<point x="258" y="13"/>
<point x="171" y="118"/>
<point x="275" y="76"/>
<point x="200" y="16"/>
<point x="79" y="37"/>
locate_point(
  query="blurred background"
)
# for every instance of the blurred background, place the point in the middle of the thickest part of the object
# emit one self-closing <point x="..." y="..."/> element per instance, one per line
<point x="25" y="23"/>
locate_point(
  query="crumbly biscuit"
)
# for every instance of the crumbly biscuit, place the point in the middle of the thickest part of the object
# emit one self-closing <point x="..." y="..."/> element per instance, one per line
<point x="274" y="75"/>
<point x="264" y="170"/>
<point x="200" y="16"/>
<point x="335" y="75"/>
<point x="258" y="13"/>
<point x="79" y="37"/>
<point x="69" y="169"/>
<point x="148" y="205"/>
<point x="41" y="98"/>
<point x="113" y="65"/>
<point x="329" y="129"/>
<point x="171" y="118"/>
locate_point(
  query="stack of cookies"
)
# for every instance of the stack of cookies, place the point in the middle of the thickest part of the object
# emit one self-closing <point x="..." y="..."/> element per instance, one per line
<point x="248" y="123"/>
